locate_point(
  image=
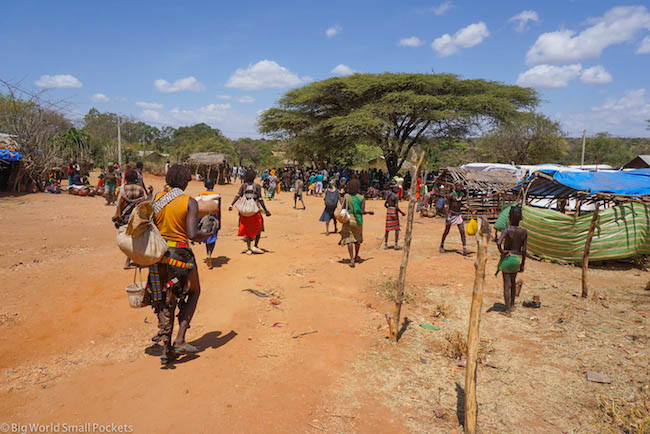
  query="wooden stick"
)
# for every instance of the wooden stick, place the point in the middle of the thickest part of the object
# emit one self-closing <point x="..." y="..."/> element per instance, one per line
<point x="585" y="258"/>
<point x="393" y="328"/>
<point x="471" y="406"/>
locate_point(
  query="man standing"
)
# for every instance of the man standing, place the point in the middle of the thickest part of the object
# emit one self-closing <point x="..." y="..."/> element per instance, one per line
<point x="166" y="167"/>
<point x="453" y="216"/>
<point x="298" y="187"/>
<point x="392" y="216"/>
<point x="512" y="246"/>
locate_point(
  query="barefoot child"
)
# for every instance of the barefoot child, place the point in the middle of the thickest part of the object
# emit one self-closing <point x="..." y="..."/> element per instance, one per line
<point x="512" y="246"/>
<point x="392" y="216"/>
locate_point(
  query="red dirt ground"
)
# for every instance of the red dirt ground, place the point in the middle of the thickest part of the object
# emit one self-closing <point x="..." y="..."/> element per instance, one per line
<point x="73" y="351"/>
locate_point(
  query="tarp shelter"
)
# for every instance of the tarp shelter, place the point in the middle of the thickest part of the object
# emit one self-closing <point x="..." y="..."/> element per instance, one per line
<point x="588" y="185"/>
<point x="621" y="229"/>
<point x="9" y="161"/>
<point x="640" y="162"/>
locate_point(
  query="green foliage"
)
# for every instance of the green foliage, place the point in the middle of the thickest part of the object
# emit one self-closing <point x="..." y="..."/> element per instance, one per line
<point x="394" y="112"/>
<point x="527" y="138"/>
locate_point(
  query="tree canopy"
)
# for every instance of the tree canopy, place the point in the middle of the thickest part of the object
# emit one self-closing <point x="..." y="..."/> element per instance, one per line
<point x="526" y="138"/>
<point x="392" y="111"/>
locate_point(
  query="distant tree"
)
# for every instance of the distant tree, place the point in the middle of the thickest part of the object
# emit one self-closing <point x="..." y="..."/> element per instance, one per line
<point x="76" y="144"/>
<point x="605" y="149"/>
<point x="392" y="111"/>
<point x="526" y="138"/>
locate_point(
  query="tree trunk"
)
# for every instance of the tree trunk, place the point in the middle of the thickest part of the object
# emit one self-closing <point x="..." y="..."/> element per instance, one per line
<point x="471" y="406"/>
<point x="393" y="322"/>
<point x="585" y="258"/>
<point x="391" y="163"/>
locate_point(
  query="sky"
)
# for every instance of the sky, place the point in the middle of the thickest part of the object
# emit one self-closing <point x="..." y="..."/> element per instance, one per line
<point x="222" y="63"/>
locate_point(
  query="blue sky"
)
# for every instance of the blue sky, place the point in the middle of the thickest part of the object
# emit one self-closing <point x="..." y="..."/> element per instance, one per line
<point x="221" y="63"/>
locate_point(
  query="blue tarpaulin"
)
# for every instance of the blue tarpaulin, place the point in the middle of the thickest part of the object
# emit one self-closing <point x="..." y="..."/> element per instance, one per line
<point x="8" y="155"/>
<point x="626" y="183"/>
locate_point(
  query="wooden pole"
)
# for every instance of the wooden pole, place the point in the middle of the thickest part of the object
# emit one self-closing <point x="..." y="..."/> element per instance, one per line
<point x="585" y="258"/>
<point x="471" y="405"/>
<point x="393" y="321"/>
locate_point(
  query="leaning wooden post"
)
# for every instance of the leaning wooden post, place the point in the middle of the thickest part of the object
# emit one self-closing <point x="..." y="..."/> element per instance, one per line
<point x="393" y="321"/>
<point x="585" y="257"/>
<point x="471" y="405"/>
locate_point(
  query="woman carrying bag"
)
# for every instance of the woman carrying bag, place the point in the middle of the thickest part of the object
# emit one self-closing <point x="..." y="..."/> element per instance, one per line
<point x="352" y="230"/>
<point x="332" y="197"/>
<point x="249" y="202"/>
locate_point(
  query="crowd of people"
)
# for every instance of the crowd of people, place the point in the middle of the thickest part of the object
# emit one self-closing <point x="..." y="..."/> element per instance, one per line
<point x="174" y="282"/>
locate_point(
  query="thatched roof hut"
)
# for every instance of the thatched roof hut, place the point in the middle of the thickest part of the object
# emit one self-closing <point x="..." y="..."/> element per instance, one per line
<point x="478" y="182"/>
<point x="210" y="165"/>
<point x="206" y="159"/>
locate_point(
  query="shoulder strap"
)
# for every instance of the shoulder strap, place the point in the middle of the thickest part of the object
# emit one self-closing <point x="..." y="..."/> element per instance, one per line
<point x="166" y="199"/>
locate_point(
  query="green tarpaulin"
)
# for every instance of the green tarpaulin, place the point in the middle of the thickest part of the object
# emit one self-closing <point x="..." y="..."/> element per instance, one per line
<point x="621" y="232"/>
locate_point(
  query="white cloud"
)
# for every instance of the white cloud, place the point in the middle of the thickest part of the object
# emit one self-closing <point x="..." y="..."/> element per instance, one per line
<point x="522" y="18"/>
<point x="149" y="105"/>
<point x="224" y="97"/>
<point x="442" y="8"/>
<point x="618" y="25"/>
<point x="246" y="99"/>
<point x="466" y="37"/>
<point x="333" y="31"/>
<point x="175" y="116"/>
<point x="413" y="41"/>
<point x="595" y="75"/>
<point x="625" y="116"/>
<point x="99" y="97"/>
<point x="187" y="83"/>
<point x="644" y="46"/>
<point x="221" y="116"/>
<point x="549" y="76"/>
<point x="343" y="70"/>
<point x="263" y="75"/>
<point x="58" y="81"/>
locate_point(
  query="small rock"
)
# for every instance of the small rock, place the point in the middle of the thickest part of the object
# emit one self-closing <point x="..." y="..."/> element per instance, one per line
<point x="581" y="336"/>
<point x="462" y="363"/>
<point x="186" y="391"/>
<point x="45" y="386"/>
<point x="10" y="372"/>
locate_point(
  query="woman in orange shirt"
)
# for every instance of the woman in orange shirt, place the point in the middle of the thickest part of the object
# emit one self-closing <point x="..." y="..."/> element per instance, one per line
<point x="175" y="279"/>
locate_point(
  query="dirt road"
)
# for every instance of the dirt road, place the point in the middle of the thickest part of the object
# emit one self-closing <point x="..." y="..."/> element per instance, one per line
<point x="73" y="351"/>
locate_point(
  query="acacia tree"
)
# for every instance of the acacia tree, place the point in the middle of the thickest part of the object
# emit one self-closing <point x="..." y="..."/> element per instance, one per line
<point x="36" y="123"/>
<point x="392" y="111"/>
<point x="526" y="138"/>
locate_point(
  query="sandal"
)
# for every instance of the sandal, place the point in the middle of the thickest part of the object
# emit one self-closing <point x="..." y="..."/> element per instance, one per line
<point x="167" y="358"/>
<point x="185" y="348"/>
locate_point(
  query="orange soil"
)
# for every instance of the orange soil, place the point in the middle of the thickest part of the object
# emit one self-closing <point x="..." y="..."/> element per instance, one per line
<point x="73" y="351"/>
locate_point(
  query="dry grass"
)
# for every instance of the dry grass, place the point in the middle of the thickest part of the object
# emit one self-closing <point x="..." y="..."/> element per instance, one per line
<point x="388" y="289"/>
<point x="532" y="365"/>
<point x="617" y="415"/>
<point x="442" y="310"/>
<point x="455" y="347"/>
